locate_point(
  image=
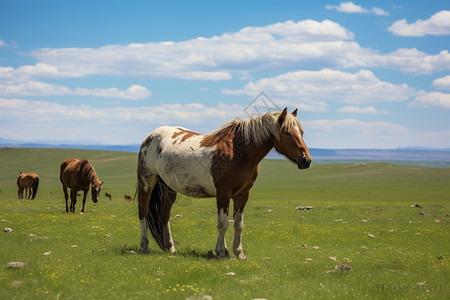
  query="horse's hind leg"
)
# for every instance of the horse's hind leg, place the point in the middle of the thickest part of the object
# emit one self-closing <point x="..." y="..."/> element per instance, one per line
<point x="238" y="216"/>
<point x="169" y="198"/>
<point x="145" y="188"/>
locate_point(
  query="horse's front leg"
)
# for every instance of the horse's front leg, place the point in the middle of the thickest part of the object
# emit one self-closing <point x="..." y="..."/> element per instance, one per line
<point x="238" y="216"/>
<point x="84" y="200"/>
<point x="66" y="196"/>
<point x="223" y="202"/>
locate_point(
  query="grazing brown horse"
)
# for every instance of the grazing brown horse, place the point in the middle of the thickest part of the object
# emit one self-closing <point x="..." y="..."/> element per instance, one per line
<point x="127" y="197"/>
<point x="28" y="182"/>
<point x="79" y="175"/>
<point x="108" y="195"/>
<point x="223" y="164"/>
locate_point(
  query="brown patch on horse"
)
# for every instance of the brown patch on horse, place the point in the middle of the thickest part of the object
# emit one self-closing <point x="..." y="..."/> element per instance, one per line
<point x="223" y="141"/>
<point x="185" y="135"/>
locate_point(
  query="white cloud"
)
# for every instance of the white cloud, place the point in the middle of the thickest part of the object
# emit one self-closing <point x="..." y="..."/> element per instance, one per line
<point x="361" y="110"/>
<point x="379" y="12"/>
<point x="307" y="45"/>
<point x="130" y="125"/>
<point x="413" y="61"/>
<point x="134" y="92"/>
<point x="201" y="58"/>
<point x="314" y="88"/>
<point x="351" y="133"/>
<point x="113" y="125"/>
<point x="437" y="24"/>
<point x="355" y="126"/>
<point x="352" y="8"/>
<point x="347" y="7"/>
<point x="433" y="100"/>
<point x="28" y="72"/>
<point x="39" y="88"/>
<point x="442" y="83"/>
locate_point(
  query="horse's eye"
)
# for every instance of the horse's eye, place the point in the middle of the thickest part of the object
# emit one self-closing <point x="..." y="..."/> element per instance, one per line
<point x="288" y="133"/>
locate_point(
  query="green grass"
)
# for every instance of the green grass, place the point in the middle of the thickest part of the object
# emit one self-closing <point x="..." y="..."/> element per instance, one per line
<point x="90" y="254"/>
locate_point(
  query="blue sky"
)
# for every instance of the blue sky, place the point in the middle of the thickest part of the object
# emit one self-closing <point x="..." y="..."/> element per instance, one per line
<point x="364" y="74"/>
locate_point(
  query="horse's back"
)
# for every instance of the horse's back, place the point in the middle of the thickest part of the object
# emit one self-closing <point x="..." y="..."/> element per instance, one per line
<point x="175" y="154"/>
<point x="26" y="180"/>
<point x="68" y="171"/>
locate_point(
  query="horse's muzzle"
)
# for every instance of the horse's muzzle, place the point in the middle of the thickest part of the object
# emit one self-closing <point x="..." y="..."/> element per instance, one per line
<point x="95" y="200"/>
<point x="303" y="163"/>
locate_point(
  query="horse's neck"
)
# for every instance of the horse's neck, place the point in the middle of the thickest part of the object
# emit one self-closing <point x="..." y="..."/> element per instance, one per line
<point x="92" y="176"/>
<point x="253" y="152"/>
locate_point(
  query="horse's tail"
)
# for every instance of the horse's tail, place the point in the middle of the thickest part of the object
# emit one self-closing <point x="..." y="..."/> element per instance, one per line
<point x="160" y="206"/>
<point x="154" y="220"/>
<point x="35" y="187"/>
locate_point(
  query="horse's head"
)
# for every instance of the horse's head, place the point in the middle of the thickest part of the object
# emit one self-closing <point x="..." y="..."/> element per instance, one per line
<point x="95" y="190"/>
<point x="290" y="142"/>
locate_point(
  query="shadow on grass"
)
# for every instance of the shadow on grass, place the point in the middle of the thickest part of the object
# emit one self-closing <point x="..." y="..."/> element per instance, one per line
<point x="197" y="254"/>
<point x="188" y="252"/>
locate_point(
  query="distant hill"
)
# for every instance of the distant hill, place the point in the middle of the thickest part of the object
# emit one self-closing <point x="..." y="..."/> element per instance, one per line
<point x="410" y="156"/>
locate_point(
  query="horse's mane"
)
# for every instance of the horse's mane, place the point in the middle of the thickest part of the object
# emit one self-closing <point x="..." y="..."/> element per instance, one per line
<point x="258" y="129"/>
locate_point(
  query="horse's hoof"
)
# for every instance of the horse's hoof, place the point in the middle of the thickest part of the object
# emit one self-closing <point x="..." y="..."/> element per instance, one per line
<point x="145" y="251"/>
<point x="223" y="254"/>
<point x="242" y="256"/>
<point x="82" y="213"/>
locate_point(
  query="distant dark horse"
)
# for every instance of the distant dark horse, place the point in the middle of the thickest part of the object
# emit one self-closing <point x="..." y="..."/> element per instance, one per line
<point x="79" y="175"/>
<point x="223" y="164"/>
<point x="28" y="182"/>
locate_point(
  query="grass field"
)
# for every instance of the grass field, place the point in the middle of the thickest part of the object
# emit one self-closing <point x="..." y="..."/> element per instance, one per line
<point x="361" y="240"/>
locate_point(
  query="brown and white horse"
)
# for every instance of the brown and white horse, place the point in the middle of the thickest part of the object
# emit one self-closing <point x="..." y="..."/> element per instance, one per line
<point x="28" y="182"/>
<point x="79" y="175"/>
<point x="223" y="164"/>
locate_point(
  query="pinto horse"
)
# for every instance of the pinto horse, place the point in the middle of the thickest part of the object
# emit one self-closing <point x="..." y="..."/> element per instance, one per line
<point x="79" y="175"/>
<point x="223" y="164"/>
<point x="28" y="182"/>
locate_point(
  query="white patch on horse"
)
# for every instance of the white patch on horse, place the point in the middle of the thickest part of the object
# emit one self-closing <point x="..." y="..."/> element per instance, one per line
<point x="97" y="188"/>
<point x="181" y="162"/>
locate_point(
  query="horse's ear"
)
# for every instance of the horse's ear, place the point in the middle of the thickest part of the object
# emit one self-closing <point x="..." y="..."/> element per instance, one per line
<point x="294" y="113"/>
<point x="101" y="183"/>
<point x="282" y="117"/>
